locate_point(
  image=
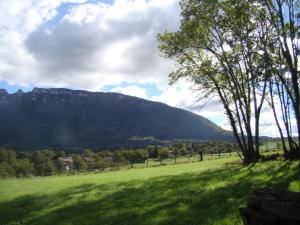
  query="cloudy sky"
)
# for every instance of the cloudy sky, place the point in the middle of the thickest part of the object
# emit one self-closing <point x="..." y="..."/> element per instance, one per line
<point x="97" y="45"/>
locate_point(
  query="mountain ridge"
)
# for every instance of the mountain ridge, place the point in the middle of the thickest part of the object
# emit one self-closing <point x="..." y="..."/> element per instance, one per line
<point x="75" y="119"/>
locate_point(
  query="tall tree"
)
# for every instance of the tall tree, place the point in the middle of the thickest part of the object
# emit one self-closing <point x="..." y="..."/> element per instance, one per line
<point x="163" y="153"/>
<point x="284" y="16"/>
<point x="221" y="47"/>
<point x="42" y="161"/>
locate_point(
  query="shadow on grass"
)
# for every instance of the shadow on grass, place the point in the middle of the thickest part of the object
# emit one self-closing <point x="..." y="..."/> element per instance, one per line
<point x="212" y="197"/>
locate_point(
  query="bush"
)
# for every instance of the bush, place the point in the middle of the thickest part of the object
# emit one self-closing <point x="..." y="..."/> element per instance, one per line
<point x="79" y="163"/>
<point x="163" y="153"/>
<point x="23" y="167"/>
<point x="6" y="170"/>
<point x="100" y="163"/>
<point x="270" y="157"/>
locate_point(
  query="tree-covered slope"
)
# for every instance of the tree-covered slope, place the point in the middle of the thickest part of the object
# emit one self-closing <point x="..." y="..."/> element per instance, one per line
<point x="62" y="118"/>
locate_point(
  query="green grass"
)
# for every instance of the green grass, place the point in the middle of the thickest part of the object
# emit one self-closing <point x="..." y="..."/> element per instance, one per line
<point x="208" y="192"/>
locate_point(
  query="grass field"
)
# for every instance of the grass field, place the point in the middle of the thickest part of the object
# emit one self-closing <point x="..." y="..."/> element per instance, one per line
<point x="208" y="192"/>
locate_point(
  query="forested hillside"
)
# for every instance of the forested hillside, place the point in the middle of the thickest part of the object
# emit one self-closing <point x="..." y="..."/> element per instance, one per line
<point x="62" y="118"/>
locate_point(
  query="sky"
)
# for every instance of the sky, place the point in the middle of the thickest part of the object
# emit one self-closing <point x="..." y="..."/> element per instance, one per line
<point x="98" y="45"/>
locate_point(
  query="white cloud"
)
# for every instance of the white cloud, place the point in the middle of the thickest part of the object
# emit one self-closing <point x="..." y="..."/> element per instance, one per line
<point x="94" y="44"/>
<point x="178" y="95"/>
<point x="185" y="96"/>
<point x="18" y="18"/>
<point x="23" y="16"/>
<point x="132" y="90"/>
<point x="268" y="125"/>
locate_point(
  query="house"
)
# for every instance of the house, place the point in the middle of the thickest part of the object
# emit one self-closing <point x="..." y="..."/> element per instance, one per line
<point x="89" y="161"/>
<point x="67" y="163"/>
<point x="108" y="158"/>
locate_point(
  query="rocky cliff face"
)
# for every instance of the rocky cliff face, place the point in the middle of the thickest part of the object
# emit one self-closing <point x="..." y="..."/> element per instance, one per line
<point x="68" y="119"/>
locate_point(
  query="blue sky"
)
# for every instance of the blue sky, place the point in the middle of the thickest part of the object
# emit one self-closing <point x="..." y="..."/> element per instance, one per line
<point x="12" y="88"/>
<point x="64" y="8"/>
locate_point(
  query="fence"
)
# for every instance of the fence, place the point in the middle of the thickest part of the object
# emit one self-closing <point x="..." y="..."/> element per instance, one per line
<point x="147" y="163"/>
<point x="155" y="163"/>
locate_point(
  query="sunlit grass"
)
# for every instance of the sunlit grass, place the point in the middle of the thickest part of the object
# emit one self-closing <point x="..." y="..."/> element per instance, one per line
<point x="208" y="192"/>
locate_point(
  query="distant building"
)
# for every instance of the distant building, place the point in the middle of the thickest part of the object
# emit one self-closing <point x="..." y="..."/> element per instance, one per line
<point x="108" y="158"/>
<point x="89" y="161"/>
<point x="68" y="163"/>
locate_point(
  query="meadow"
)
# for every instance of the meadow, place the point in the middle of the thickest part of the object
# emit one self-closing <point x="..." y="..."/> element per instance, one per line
<point x="207" y="192"/>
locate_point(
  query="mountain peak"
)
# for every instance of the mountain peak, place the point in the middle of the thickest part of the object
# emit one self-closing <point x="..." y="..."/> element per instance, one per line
<point x="3" y="92"/>
<point x="19" y="92"/>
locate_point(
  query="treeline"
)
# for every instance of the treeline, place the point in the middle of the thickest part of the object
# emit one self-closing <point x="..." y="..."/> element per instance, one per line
<point x="47" y="162"/>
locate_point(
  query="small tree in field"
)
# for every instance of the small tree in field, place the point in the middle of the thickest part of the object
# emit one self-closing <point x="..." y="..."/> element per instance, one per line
<point x="118" y="158"/>
<point x="79" y="163"/>
<point x="163" y="154"/>
<point x="42" y="161"/>
<point x="176" y="149"/>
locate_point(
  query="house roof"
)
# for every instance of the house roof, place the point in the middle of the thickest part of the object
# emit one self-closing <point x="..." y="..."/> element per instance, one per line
<point x="67" y="159"/>
<point x="88" y="159"/>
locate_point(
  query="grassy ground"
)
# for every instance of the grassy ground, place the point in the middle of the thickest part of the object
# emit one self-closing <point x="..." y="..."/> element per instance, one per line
<point x="179" y="160"/>
<point x="208" y="192"/>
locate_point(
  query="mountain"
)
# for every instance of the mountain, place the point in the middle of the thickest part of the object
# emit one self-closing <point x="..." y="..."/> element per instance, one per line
<point x="70" y="119"/>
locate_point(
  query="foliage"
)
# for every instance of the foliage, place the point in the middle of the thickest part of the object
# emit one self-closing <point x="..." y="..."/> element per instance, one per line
<point x="163" y="153"/>
<point x="285" y="79"/>
<point x="152" y="151"/>
<point x="88" y="153"/>
<point x="100" y="163"/>
<point x="8" y="156"/>
<point x="23" y="168"/>
<point x="79" y="163"/>
<point x="11" y="166"/>
<point x="60" y="164"/>
<point x="60" y="154"/>
<point x="221" y="48"/>
<point x="43" y="162"/>
<point x="140" y="155"/>
<point x="216" y="147"/>
<point x="49" y="162"/>
<point x="244" y="53"/>
<point x="6" y="170"/>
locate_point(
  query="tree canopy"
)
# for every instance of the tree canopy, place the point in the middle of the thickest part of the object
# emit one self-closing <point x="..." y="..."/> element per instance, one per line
<point x="228" y="49"/>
